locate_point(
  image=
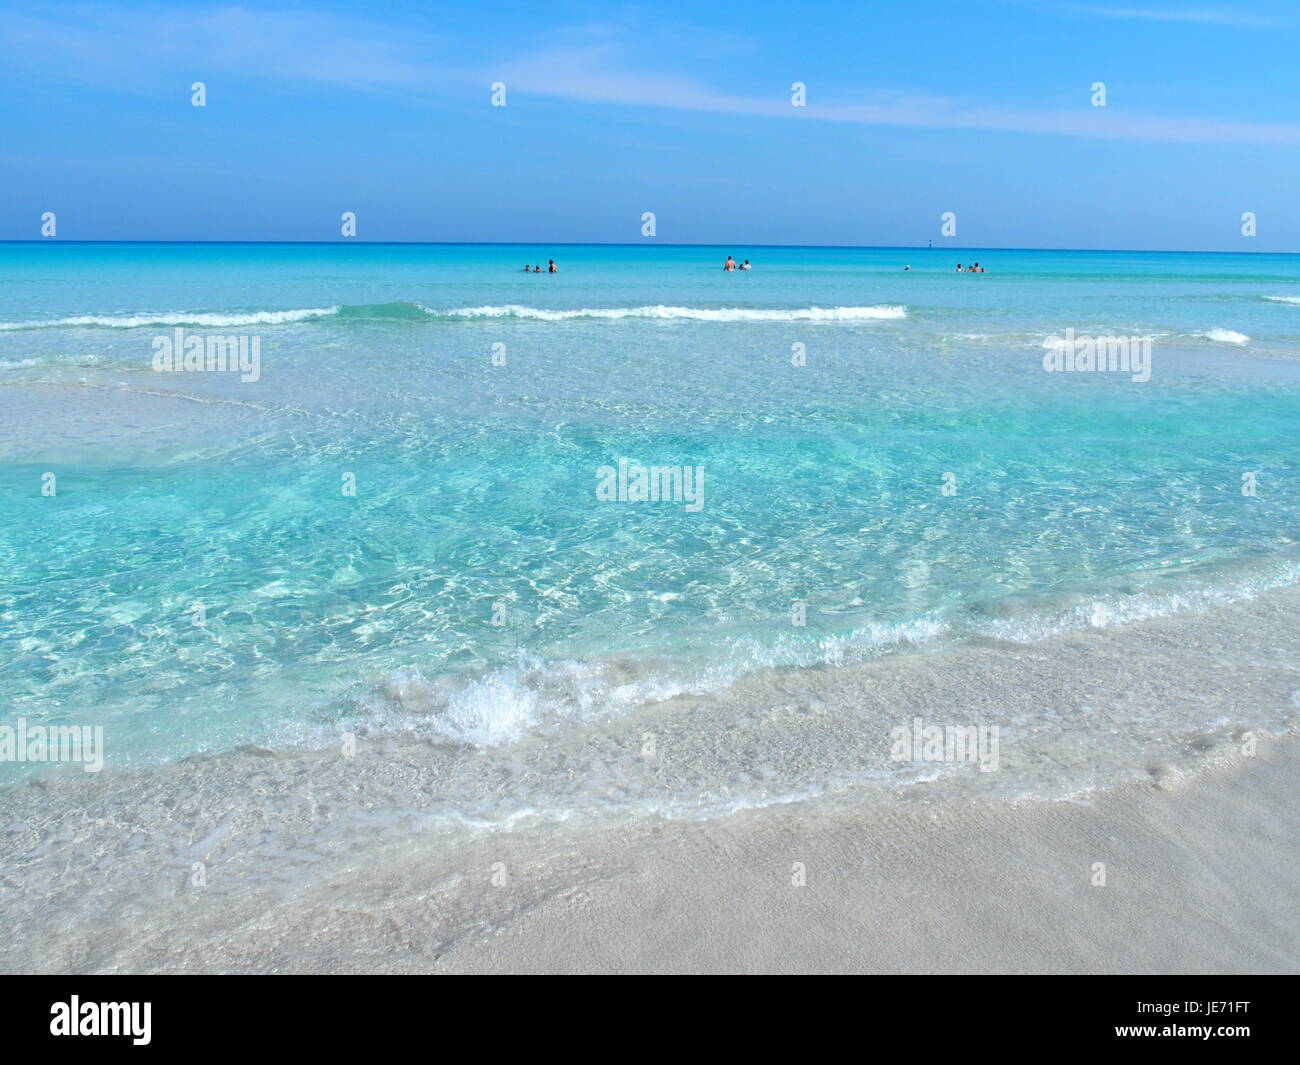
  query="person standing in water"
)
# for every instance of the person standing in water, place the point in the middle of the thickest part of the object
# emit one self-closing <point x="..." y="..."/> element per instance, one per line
<point x="551" y="268"/>
<point x="730" y="264"/>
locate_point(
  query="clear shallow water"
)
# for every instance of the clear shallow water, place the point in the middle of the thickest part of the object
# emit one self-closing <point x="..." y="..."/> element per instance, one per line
<point x="1082" y="500"/>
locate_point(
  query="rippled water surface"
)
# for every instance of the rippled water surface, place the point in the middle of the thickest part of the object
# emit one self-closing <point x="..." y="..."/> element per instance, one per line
<point x="884" y="458"/>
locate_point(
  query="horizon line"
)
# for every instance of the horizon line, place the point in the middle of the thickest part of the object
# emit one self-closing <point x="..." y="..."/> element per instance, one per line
<point x="344" y="242"/>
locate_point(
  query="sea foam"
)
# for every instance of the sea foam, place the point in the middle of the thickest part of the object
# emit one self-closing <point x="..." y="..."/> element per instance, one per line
<point x="173" y="318"/>
<point x="392" y="311"/>
<point x="696" y="314"/>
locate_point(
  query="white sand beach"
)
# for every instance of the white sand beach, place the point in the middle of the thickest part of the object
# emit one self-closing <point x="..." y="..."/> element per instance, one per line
<point x="264" y="862"/>
<point x="1201" y="877"/>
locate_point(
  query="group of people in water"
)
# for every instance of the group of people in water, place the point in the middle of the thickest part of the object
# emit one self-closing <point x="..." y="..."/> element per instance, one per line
<point x="974" y="268"/>
<point x="730" y="265"/>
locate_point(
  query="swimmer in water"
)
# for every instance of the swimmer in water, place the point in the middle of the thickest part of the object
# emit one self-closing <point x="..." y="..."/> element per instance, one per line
<point x="551" y="268"/>
<point x="730" y="264"/>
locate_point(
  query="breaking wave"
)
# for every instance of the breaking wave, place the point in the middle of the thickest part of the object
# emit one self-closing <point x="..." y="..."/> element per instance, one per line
<point x="694" y="314"/>
<point x="419" y="312"/>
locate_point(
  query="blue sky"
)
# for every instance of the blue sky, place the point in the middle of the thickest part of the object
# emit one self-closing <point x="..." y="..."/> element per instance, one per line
<point x="913" y="109"/>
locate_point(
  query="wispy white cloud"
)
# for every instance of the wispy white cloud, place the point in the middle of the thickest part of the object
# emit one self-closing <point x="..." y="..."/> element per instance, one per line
<point x="112" y="47"/>
<point x="598" y="75"/>
<point x="119" y="47"/>
<point x="1210" y="16"/>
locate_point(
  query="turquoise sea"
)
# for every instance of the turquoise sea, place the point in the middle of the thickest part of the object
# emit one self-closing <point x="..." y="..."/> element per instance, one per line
<point x="887" y="469"/>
